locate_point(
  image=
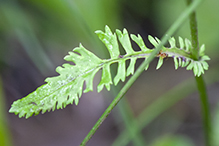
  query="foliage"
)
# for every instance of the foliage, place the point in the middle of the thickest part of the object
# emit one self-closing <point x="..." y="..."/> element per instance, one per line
<point x="62" y="90"/>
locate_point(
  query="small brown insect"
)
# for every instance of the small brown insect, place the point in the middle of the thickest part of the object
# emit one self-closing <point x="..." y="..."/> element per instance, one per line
<point x="163" y="55"/>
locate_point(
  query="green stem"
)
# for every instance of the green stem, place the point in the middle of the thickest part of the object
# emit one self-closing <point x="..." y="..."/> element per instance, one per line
<point x="194" y="33"/>
<point x="138" y="72"/>
<point x="199" y="80"/>
<point x="205" y="109"/>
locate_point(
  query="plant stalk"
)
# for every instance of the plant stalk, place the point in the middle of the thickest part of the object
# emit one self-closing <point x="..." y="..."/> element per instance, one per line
<point x="141" y="68"/>
<point x="194" y="33"/>
<point x="205" y="110"/>
<point x="200" y="81"/>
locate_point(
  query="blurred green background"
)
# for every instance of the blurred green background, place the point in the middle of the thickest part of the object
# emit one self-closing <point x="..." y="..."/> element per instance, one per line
<point x="35" y="35"/>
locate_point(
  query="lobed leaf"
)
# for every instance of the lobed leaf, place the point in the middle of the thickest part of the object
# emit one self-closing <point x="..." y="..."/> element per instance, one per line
<point x="153" y="41"/>
<point x="139" y="41"/>
<point x="110" y="41"/>
<point x="61" y="90"/>
<point x="67" y="87"/>
<point x="160" y="63"/>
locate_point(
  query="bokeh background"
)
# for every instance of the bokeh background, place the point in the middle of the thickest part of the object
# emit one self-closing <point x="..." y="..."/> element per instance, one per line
<point x="35" y="35"/>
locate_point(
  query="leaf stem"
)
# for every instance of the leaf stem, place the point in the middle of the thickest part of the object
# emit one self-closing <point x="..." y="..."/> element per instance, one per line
<point x="141" y="68"/>
<point x="199" y="81"/>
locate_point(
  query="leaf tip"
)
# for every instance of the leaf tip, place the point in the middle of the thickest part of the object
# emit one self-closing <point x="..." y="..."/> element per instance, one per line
<point x="160" y="62"/>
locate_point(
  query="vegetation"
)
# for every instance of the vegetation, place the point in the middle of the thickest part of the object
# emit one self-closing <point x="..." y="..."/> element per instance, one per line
<point x="77" y="77"/>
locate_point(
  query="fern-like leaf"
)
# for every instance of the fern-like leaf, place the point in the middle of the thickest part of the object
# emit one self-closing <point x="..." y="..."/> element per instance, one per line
<point x="67" y="88"/>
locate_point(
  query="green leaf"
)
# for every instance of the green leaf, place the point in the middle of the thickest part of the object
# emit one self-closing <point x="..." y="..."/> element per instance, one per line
<point x="158" y="40"/>
<point x="185" y="63"/>
<point x="176" y="62"/>
<point x="188" y="45"/>
<point x="67" y="87"/>
<point x="125" y="41"/>
<point x="61" y="90"/>
<point x="121" y="72"/>
<point x="190" y="66"/>
<point x="172" y="42"/>
<point x="106" y="78"/>
<point x="205" y="65"/>
<point x="110" y="40"/>
<point x="205" y="57"/>
<point x="195" y="69"/>
<point x="153" y="41"/>
<point x="139" y="41"/>
<point x="201" y="69"/>
<point x="131" y="68"/>
<point x="181" y="43"/>
<point x="202" y="50"/>
<point x="180" y="61"/>
<point x="160" y="62"/>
